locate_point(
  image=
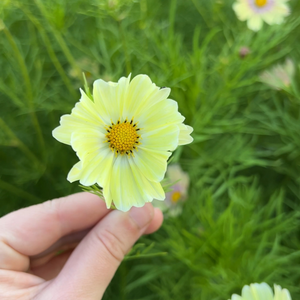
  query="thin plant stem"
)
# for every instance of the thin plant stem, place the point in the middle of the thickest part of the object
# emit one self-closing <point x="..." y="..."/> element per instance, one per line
<point x="127" y="58"/>
<point x="18" y="192"/>
<point x="58" y="37"/>
<point x="50" y="50"/>
<point x="26" y="78"/>
<point x="20" y="144"/>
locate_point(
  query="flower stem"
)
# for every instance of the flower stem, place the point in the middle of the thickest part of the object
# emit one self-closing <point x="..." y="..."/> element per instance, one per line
<point x="29" y="95"/>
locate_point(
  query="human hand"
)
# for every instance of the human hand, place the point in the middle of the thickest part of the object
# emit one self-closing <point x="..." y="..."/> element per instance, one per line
<point x="30" y="238"/>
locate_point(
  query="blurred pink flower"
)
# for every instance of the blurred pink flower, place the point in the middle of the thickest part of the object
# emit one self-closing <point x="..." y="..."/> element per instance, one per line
<point x="244" y="51"/>
<point x="179" y="181"/>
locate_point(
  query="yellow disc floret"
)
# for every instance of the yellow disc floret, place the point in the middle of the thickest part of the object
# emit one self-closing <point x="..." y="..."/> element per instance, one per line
<point x="261" y="3"/>
<point x="123" y="137"/>
<point x="175" y="196"/>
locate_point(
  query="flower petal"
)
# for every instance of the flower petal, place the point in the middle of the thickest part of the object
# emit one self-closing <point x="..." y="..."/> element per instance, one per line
<point x="262" y="291"/>
<point x="141" y="87"/>
<point x="255" y="23"/>
<point x="149" y="188"/>
<point x="236" y="297"/>
<point x="161" y="114"/>
<point x="124" y="188"/>
<point x="247" y="293"/>
<point x="184" y="134"/>
<point x="87" y="140"/>
<point x="96" y="166"/>
<point x="257" y="291"/>
<point x="242" y="11"/>
<point x="281" y="294"/>
<point x="152" y="164"/>
<point x="75" y="172"/>
<point x="109" y="98"/>
<point x="83" y="114"/>
<point x="161" y="139"/>
<point x="270" y="18"/>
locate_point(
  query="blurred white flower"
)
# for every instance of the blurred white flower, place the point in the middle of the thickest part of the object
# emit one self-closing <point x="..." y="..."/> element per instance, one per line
<point x="255" y="12"/>
<point x="178" y="191"/>
<point x="262" y="291"/>
<point x="280" y="76"/>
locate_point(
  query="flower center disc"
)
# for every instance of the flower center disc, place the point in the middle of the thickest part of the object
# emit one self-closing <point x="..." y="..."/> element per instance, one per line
<point x="261" y="3"/>
<point x="175" y="197"/>
<point x="123" y="137"/>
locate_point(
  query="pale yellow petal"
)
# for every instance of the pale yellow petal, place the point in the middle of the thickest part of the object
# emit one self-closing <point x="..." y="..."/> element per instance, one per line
<point x="149" y="189"/>
<point x="83" y="114"/>
<point x="184" y="134"/>
<point x="158" y="96"/>
<point x="160" y="139"/>
<point x="277" y="14"/>
<point x="247" y="293"/>
<point x="282" y="10"/>
<point x="153" y="164"/>
<point x="109" y="98"/>
<point x="107" y="197"/>
<point x="63" y="133"/>
<point x="124" y="188"/>
<point x="281" y="294"/>
<point x="141" y="87"/>
<point x="286" y="295"/>
<point x="262" y="291"/>
<point x="161" y="114"/>
<point x="270" y="18"/>
<point x="75" y="172"/>
<point x="122" y="94"/>
<point x="130" y="187"/>
<point x="87" y="140"/>
<point x="257" y="291"/>
<point x="93" y="166"/>
<point x="236" y="297"/>
<point x="255" y="23"/>
<point x="242" y="11"/>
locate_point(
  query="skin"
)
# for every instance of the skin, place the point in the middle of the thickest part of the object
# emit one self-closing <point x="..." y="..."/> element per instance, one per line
<point x="69" y="247"/>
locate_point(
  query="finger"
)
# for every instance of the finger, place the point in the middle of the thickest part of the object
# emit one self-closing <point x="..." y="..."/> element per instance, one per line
<point x="31" y="230"/>
<point x="70" y="241"/>
<point x="51" y="268"/>
<point x="44" y="259"/>
<point x="66" y="241"/>
<point x="156" y="222"/>
<point x="93" y="263"/>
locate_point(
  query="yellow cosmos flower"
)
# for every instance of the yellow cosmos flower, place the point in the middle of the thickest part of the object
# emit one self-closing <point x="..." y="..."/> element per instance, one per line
<point x="262" y="291"/>
<point x="123" y="139"/>
<point x="255" y="12"/>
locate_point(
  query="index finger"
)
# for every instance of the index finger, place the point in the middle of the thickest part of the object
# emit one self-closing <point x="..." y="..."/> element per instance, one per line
<point x="32" y="230"/>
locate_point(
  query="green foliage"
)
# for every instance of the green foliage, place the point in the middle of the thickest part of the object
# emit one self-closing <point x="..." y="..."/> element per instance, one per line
<point x="241" y="221"/>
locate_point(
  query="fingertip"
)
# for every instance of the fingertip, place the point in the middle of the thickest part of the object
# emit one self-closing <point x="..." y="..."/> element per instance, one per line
<point x="156" y="222"/>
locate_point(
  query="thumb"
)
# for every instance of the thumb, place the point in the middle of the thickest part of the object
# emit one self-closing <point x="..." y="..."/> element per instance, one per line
<point x="93" y="263"/>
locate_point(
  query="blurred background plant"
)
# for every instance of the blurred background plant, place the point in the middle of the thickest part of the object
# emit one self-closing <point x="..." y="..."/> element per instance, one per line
<point x="240" y="221"/>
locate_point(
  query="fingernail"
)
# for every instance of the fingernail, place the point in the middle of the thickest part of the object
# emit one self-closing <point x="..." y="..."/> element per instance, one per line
<point x="142" y="215"/>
